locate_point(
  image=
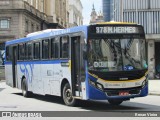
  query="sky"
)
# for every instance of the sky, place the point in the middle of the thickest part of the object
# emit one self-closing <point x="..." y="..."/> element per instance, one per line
<point x="87" y="9"/>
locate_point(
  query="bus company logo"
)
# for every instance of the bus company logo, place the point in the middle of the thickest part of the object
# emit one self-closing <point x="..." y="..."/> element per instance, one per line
<point x="6" y="114"/>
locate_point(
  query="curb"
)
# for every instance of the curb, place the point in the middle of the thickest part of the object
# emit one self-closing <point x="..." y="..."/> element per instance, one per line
<point x="157" y="94"/>
<point x="2" y="80"/>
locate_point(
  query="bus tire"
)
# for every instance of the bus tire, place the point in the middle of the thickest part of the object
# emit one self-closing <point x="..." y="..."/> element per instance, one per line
<point x="25" y="91"/>
<point x="67" y="95"/>
<point x="115" y="102"/>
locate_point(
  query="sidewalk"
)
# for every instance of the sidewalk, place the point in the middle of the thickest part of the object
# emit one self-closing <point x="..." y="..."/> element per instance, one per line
<point x="154" y="87"/>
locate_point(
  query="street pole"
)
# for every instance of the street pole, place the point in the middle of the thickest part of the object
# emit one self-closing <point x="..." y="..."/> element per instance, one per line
<point x="121" y="10"/>
<point x="137" y="11"/>
<point x="115" y="9"/>
<point x="112" y="9"/>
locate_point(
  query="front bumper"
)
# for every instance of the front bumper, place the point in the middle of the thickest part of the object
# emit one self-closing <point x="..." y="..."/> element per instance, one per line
<point x="97" y="94"/>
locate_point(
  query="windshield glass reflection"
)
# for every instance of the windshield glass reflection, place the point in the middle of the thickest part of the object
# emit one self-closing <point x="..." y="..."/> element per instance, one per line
<point x="117" y="54"/>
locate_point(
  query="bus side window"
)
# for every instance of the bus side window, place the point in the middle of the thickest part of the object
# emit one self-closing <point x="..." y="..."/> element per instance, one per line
<point x="8" y="53"/>
<point x="29" y="51"/>
<point x="21" y="52"/>
<point x="54" y="48"/>
<point x="64" y="53"/>
<point x="36" y="51"/>
<point x="45" y="49"/>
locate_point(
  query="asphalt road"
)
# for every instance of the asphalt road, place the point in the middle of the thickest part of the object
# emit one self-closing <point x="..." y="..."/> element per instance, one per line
<point x="12" y="100"/>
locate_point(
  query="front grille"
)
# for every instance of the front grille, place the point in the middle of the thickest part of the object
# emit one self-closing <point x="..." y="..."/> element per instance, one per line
<point x="116" y="92"/>
<point x="114" y="76"/>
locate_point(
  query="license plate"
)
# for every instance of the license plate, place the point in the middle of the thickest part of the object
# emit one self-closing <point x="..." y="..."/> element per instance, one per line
<point x="123" y="93"/>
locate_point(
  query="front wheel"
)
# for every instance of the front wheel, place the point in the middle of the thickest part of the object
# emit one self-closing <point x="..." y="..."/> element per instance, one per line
<point x="115" y="102"/>
<point x="67" y="95"/>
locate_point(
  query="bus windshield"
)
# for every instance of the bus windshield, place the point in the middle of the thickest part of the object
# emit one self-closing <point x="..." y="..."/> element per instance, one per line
<point x="117" y="54"/>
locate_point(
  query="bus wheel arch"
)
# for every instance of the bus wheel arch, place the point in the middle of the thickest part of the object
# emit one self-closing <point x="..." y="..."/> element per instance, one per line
<point x="23" y="77"/>
<point x="64" y="81"/>
<point x="66" y="93"/>
<point x="24" y="87"/>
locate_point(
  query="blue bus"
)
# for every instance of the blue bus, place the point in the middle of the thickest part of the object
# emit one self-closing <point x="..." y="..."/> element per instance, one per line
<point x="103" y="61"/>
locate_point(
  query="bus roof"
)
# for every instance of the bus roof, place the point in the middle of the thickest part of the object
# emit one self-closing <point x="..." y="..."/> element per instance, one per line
<point x="43" y="31"/>
<point x="48" y="33"/>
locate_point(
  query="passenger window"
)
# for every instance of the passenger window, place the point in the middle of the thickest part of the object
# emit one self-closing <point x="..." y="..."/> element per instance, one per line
<point x="64" y="47"/>
<point x="45" y="49"/>
<point x="21" y="53"/>
<point x="37" y="51"/>
<point x="29" y="51"/>
<point x="55" y="48"/>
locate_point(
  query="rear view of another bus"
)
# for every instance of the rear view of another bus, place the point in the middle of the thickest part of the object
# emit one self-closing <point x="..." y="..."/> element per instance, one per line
<point x="117" y="64"/>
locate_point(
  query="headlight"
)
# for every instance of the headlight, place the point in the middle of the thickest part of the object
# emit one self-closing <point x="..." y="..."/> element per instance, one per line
<point x="96" y="84"/>
<point x="144" y="83"/>
<point x="92" y="83"/>
<point x="99" y="86"/>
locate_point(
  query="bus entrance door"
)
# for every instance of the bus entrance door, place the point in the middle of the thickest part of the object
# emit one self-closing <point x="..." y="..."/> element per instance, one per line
<point x="77" y="68"/>
<point x="14" y="66"/>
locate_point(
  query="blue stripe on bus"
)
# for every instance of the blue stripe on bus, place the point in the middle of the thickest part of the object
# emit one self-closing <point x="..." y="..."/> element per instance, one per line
<point x="39" y="62"/>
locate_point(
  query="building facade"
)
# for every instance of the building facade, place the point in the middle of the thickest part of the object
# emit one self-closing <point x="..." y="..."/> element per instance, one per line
<point x="56" y="9"/>
<point x="96" y="17"/>
<point x="17" y="19"/>
<point x="20" y="17"/>
<point x="37" y="4"/>
<point x="108" y="10"/>
<point x="75" y="13"/>
<point x="146" y="13"/>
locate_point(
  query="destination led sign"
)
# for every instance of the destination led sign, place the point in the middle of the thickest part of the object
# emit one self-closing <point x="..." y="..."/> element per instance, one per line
<point x="118" y="29"/>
